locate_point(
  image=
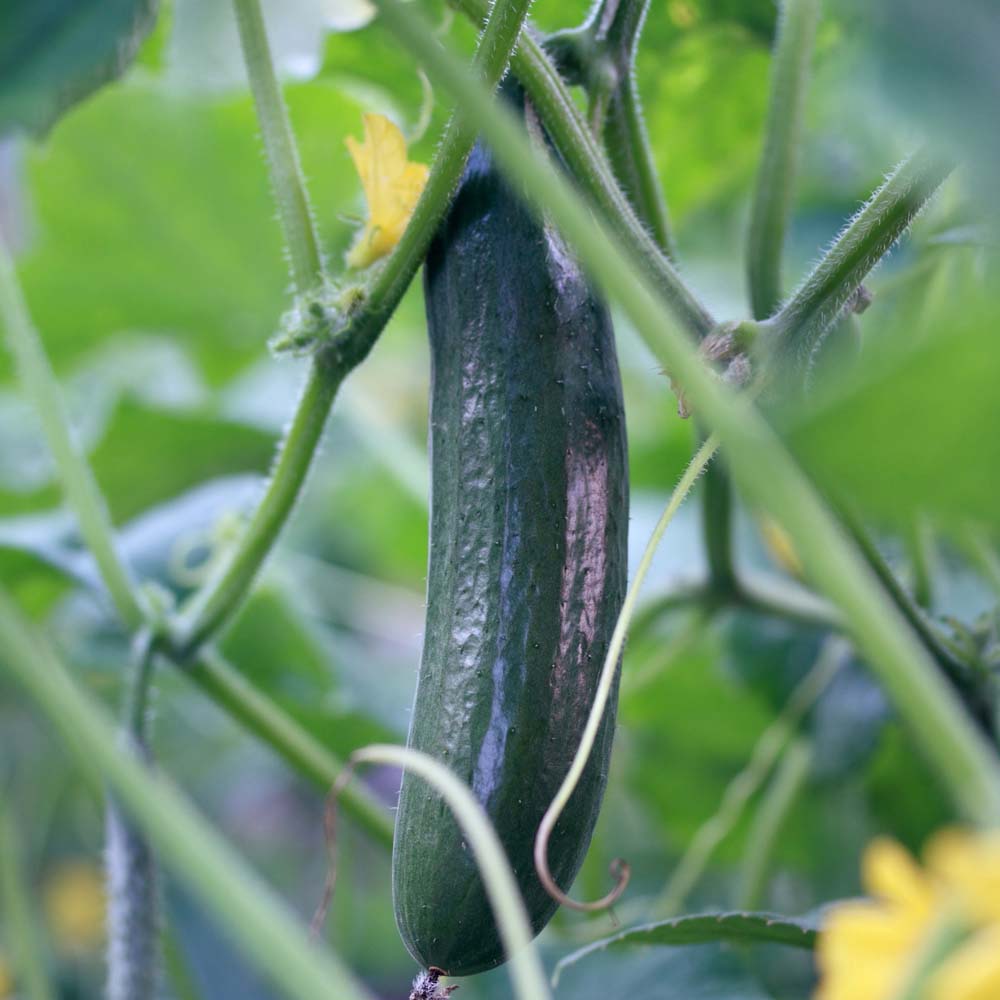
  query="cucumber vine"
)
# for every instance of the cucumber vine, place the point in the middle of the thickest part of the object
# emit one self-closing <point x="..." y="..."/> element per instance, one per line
<point x="614" y="216"/>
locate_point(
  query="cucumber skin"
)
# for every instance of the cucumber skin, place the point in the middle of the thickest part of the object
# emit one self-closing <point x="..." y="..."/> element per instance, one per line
<point x="527" y="568"/>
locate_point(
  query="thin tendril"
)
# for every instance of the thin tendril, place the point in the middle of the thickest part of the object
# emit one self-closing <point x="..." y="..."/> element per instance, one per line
<point x="620" y="870"/>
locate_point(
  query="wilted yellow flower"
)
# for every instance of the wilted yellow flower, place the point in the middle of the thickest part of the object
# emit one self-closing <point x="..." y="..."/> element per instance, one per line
<point x="869" y="949"/>
<point x="73" y="898"/>
<point x="392" y="186"/>
<point x="779" y="545"/>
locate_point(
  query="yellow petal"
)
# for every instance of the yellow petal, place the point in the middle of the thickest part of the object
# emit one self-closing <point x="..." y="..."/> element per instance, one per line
<point x="971" y="972"/>
<point x="968" y="865"/>
<point x="391" y="184"/>
<point x="864" y="947"/>
<point x="73" y="898"/>
<point x="890" y="873"/>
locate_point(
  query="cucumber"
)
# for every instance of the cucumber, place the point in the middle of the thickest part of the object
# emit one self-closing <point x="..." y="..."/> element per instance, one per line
<point x="527" y="568"/>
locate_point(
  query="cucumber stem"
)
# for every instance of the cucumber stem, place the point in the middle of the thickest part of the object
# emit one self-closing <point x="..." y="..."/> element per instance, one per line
<point x="294" y="211"/>
<point x="257" y="921"/>
<point x="589" y="167"/>
<point x="132" y="878"/>
<point x="772" y="199"/>
<point x="796" y="330"/>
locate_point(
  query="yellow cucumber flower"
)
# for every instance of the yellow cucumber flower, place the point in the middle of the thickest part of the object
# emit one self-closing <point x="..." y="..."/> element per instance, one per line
<point x="392" y="186"/>
<point x="868" y="950"/>
<point x="74" y="903"/>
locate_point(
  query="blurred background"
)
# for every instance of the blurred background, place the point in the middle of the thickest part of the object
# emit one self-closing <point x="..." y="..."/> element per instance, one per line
<point x="151" y="260"/>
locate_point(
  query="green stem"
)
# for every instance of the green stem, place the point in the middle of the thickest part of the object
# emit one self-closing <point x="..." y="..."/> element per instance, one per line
<point x="181" y="979"/>
<point x="746" y="784"/>
<point x="590" y="170"/>
<point x="218" y="600"/>
<point x="526" y="972"/>
<point x="772" y="200"/>
<point x="198" y="856"/>
<point x="503" y="23"/>
<point x="223" y="684"/>
<point x="964" y="761"/>
<point x="614" y="28"/>
<point x="922" y="561"/>
<point x="631" y="157"/>
<point x="947" y="659"/>
<point x="774" y="596"/>
<point x="229" y="584"/>
<point x="608" y="673"/>
<point x="294" y="212"/>
<point x="82" y="493"/>
<point x="229" y="689"/>
<point x="21" y="929"/>
<point x="717" y="530"/>
<point x="772" y="814"/>
<point x="813" y="308"/>
<point x="132" y="877"/>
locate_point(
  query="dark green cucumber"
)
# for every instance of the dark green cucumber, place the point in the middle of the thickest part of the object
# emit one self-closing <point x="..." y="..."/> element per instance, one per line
<point x="527" y="562"/>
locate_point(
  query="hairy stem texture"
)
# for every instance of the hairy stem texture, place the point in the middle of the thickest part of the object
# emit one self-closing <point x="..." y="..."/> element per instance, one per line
<point x="772" y="200"/>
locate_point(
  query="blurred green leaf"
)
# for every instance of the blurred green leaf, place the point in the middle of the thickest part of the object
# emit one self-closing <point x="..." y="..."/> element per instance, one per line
<point x="937" y="62"/>
<point x="705" y="972"/>
<point x="289" y="656"/>
<point x="57" y="52"/>
<point x="715" y="76"/>
<point x="914" y="431"/>
<point x="772" y="656"/>
<point x="153" y="214"/>
<point x="149" y="456"/>
<point x="704" y="928"/>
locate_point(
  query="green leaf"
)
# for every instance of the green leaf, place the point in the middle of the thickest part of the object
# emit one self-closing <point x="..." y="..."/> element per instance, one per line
<point x="290" y="657"/>
<point x="152" y="214"/>
<point x="56" y="53"/>
<point x="704" y="928"/>
<point x="914" y="430"/>
<point x="705" y="972"/>
<point x="773" y="655"/>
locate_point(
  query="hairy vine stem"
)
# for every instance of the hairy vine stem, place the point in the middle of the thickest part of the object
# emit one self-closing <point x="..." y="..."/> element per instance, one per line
<point x="132" y="879"/>
<point x="967" y="765"/>
<point x="294" y="211"/>
<point x="257" y="921"/>
<point x="790" y="336"/>
<point x="772" y="199"/>
<point x="607" y="62"/>
<point x="769" y="215"/>
<point x="576" y="144"/>
<point x="220" y="597"/>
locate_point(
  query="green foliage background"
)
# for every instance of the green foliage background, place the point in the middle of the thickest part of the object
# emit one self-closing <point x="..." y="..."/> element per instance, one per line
<point x="150" y="257"/>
